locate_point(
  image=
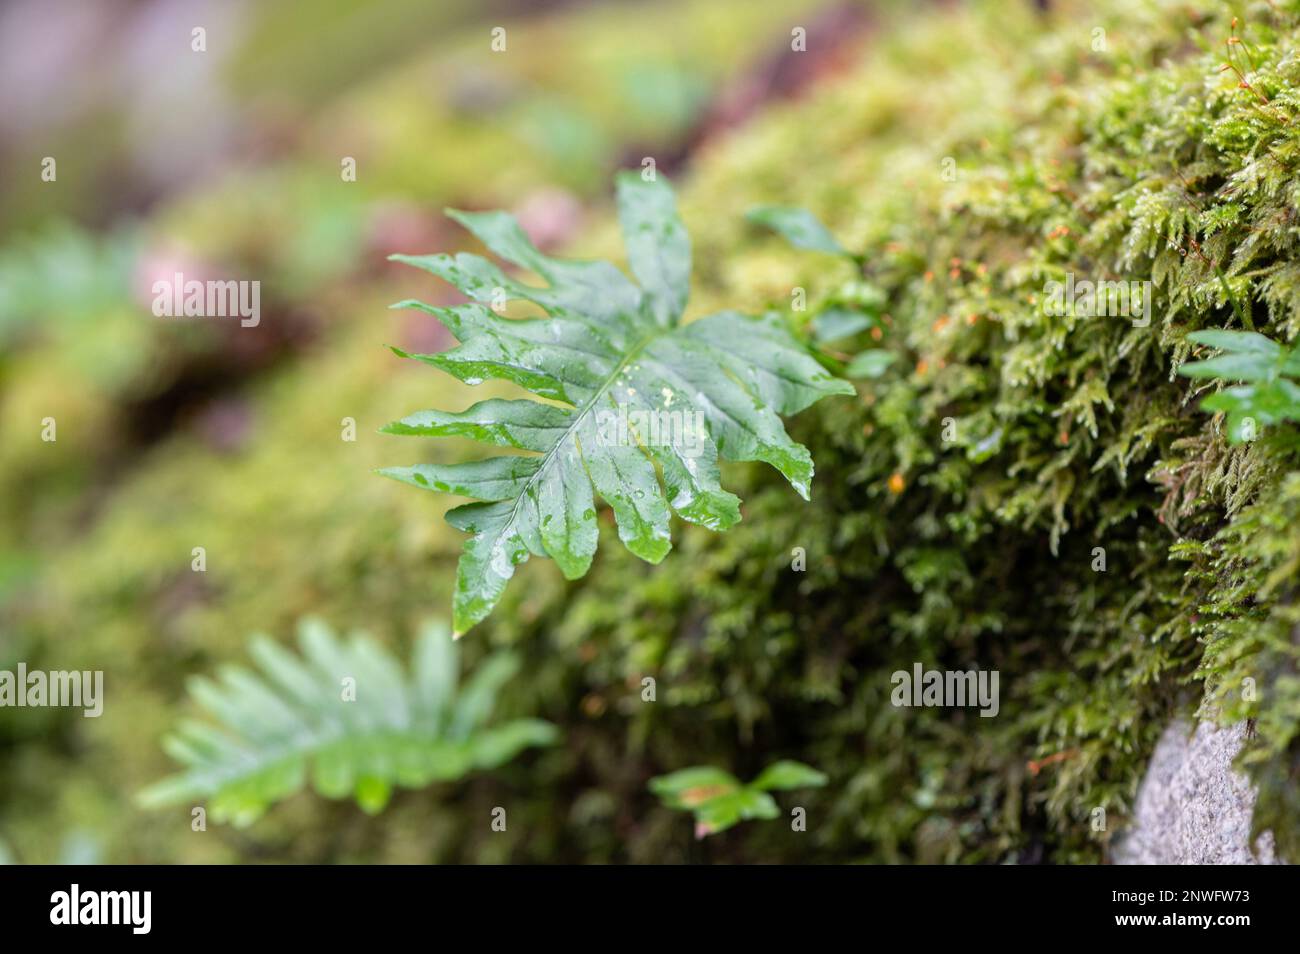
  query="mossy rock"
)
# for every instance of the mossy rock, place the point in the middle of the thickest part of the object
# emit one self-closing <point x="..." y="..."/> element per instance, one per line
<point x="1143" y="160"/>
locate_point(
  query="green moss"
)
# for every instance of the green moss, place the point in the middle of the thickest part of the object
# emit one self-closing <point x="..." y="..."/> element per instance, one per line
<point x="1072" y="434"/>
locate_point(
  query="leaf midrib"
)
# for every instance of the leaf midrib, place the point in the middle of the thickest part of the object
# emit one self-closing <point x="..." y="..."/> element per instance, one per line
<point x="580" y="415"/>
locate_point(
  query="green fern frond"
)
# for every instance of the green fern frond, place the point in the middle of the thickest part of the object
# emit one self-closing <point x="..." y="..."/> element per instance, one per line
<point x="718" y="800"/>
<point x="1269" y="396"/>
<point x="645" y="396"/>
<point x="344" y="714"/>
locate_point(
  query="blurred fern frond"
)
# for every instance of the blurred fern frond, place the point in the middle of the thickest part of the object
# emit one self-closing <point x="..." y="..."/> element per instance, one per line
<point x="719" y="800"/>
<point x="343" y="716"/>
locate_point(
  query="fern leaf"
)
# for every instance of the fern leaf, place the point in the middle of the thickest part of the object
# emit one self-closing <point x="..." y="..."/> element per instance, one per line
<point x="344" y="714"/>
<point x="798" y="226"/>
<point x="1268" y="397"/>
<point x="871" y="363"/>
<point x="719" y="800"/>
<point x="640" y="398"/>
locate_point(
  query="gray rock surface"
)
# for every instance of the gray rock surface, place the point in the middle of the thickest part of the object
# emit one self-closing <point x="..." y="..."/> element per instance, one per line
<point x="1193" y="808"/>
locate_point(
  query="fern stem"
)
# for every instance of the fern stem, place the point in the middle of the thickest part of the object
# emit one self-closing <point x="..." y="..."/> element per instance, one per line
<point x="1236" y="305"/>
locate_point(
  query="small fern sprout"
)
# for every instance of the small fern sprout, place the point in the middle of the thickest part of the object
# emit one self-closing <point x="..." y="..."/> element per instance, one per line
<point x="718" y="800"/>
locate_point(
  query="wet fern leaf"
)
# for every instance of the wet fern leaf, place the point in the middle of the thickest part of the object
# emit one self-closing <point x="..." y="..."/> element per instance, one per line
<point x="637" y="407"/>
<point x="1270" y="394"/>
